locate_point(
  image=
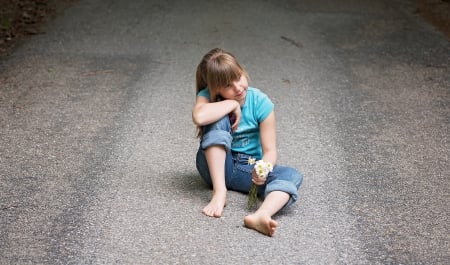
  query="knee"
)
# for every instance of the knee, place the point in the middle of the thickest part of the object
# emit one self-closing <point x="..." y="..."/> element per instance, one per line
<point x="221" y="125"/>
<point x="288" y="174"/>
<point x="218" y="133"/>
<point x="288" y="180"/>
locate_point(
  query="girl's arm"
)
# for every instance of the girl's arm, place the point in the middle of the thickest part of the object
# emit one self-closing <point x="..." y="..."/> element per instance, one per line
<point x="205" y="112"/>
<point x="268" y="143"/>
<point x="268" y="139"/>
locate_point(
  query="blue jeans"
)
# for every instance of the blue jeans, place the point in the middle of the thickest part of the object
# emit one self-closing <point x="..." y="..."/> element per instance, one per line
<point x="238" y="173"/>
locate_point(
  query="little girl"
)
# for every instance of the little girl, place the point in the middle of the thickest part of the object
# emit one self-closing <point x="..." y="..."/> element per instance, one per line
<point x="236" y="124"/>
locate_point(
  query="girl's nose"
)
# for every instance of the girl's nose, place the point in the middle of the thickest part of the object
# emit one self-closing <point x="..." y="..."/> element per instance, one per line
<point x="236" y="87"/>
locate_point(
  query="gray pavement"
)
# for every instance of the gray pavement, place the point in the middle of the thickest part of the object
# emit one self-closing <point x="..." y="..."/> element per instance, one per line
<point x="97" y="145"/>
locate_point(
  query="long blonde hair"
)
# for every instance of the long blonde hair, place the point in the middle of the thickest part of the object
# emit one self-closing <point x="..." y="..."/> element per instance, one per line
<point x="216" y="70"/>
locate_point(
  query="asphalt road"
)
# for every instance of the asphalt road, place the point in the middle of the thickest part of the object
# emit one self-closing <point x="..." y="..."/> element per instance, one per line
<point x="97" y="145"/>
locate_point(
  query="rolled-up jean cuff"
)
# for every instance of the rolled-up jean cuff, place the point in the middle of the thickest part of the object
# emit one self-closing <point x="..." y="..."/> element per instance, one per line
<point x="216" y="137"/>
<point x="285" y="186"/>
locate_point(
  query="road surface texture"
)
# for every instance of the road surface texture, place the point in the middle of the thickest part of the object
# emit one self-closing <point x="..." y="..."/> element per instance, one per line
<point x="97" y="145"/>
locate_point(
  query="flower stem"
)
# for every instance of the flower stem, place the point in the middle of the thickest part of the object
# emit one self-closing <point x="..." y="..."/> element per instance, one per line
<point x="252" y="197"/>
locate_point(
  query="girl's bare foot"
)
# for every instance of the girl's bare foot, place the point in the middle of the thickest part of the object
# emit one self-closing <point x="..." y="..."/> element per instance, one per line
<point x="262" y="223"/>
<point x="216" y="205"/>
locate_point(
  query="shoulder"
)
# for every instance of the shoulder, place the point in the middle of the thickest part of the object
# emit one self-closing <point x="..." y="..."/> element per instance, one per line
<point x="255" y="91"/>
<point x="256" y="95"/>
<point x="260" y="104"/>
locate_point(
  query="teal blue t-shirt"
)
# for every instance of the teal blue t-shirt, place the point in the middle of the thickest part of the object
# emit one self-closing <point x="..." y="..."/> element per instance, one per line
<point x="246" y="139"/>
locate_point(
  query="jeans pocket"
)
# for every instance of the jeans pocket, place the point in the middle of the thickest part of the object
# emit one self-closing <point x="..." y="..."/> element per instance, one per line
<point x="241" y="179"/>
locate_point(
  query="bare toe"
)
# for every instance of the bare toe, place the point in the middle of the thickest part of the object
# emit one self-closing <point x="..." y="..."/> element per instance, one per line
<point x="261" y="223"/>
<point x="215" y="206"/>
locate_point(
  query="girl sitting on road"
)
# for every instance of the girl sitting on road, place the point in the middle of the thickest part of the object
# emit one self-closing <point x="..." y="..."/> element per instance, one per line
<point x="236" y="125"/>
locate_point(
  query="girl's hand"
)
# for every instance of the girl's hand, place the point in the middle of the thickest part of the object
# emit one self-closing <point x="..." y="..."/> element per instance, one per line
<point x="257" y="180"/>
<point x="237" y="114"/>
<point x="205" y="112"/>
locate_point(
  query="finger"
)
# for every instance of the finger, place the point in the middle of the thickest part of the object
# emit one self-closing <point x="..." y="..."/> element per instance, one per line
<point x="235" y="124"/>
<point x="257" y="182"/>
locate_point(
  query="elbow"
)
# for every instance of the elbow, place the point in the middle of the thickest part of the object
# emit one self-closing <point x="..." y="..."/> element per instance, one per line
<point x="197" y="119"/>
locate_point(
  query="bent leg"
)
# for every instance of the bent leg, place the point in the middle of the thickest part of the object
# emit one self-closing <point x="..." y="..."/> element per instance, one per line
<point x="281" y="191"/>
<point x="211" y="159"/>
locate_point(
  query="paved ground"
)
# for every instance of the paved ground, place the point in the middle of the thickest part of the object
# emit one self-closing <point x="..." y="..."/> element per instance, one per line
<point x="97" y="146"/>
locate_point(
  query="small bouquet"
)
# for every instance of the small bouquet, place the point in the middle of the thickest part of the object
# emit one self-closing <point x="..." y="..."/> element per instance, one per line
<point x="262" y="169"/>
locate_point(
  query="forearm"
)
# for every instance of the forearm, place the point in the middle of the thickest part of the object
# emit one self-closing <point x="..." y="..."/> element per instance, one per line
<point x="208" y="113"/>
<point x="270" y="156"/>
<point x="268" y="139"/>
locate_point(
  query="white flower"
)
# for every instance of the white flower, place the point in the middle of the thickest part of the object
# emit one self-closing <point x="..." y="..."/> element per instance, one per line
<point x="251" y="161"/>
<point x="263" y="169"/>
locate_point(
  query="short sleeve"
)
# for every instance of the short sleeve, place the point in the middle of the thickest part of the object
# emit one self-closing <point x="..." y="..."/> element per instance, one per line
<point x="204" y="93"/>
<point x="263" y="108"/>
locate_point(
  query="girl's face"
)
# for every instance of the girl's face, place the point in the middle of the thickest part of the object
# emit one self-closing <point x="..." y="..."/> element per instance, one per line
<point x="236" y="90"/>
